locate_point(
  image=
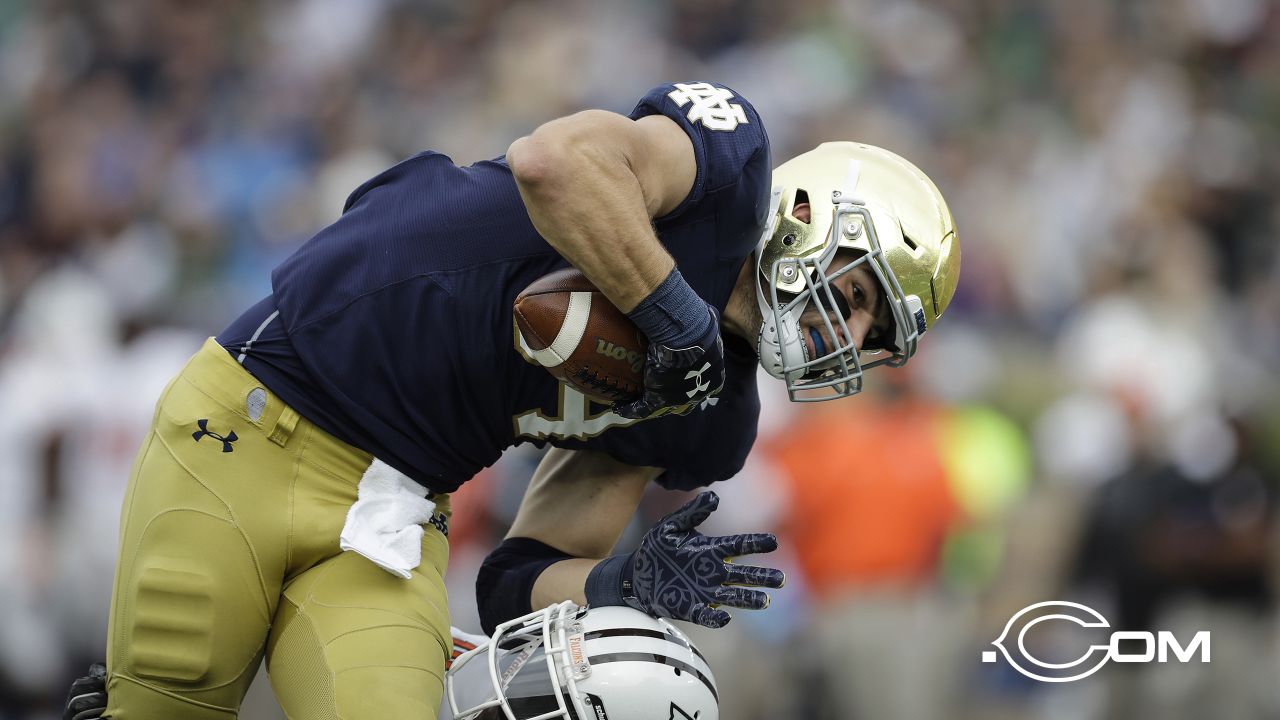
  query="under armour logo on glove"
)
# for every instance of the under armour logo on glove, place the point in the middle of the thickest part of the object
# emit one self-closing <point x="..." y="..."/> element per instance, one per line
<point x="204" y="430"/>
<point x="677" y="572"/>
<point x="696" y="376"/>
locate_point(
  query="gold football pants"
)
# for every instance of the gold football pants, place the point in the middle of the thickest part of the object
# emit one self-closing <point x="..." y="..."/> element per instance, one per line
<point x="229" y="552"/>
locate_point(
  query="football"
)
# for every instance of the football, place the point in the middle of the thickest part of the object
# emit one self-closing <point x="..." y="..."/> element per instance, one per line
<point x="566" y="325"/>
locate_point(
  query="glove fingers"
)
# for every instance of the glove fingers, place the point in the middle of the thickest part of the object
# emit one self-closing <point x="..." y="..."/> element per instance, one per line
<point x="88" y="695"/>
<point x="748" y="544"/>
<point x="87" y="685"/>
<point x="88" y="705"/>
<point x="741" y="597"/>
<point x="694" y="512"/>
<point x="93" y="682"/>
<point x="82" y="701"/>
<point x="710" y="617"/>
<point x="754" y="576"/>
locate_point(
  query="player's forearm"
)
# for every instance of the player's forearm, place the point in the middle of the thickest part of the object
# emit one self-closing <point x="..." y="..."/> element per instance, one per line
<point x="580" y="501"/>
<point x="586" y="201"/>
<point x="566" y="580"/>
<point x="575" y="509"/>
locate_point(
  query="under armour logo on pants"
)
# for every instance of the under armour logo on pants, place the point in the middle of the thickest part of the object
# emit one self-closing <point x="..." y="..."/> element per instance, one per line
<point x="204" y="430"/>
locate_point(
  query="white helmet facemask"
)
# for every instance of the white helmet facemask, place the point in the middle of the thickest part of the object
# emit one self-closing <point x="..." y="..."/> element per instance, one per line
<point x="570" y="663"/>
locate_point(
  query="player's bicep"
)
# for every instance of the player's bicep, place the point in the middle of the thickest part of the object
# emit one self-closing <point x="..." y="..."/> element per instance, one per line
<point x="654" y="149"/>
<point x="663" y="160"/>
<point x="580" y="501"/>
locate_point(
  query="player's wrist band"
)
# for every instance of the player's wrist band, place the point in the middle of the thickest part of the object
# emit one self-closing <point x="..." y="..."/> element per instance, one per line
<point x="673" y="315"/>
<point x="609" y="582"/>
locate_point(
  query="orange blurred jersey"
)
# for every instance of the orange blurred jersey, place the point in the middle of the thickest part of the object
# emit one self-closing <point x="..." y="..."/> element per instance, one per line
<point x="870" y="499"/>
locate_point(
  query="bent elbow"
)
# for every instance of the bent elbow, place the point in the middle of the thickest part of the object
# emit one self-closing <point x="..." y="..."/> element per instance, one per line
<point x="562" y="149"/>
<point x="533" y="160"/>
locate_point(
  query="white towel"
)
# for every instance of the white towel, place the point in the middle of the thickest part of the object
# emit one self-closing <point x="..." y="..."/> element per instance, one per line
<point x="385" y="523"/>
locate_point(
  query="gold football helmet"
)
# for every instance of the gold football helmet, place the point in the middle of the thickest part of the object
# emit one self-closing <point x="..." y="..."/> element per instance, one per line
<point x="891" y="218"/>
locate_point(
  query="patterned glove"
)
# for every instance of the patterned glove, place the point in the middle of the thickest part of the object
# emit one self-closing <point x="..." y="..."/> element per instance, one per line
<point x="677" y="572"/>
<point x="88" y="696"/>
<point x="677" y="380"/>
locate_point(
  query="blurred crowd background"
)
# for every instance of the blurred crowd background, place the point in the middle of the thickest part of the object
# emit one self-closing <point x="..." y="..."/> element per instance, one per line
<point x="1096" y="419"/>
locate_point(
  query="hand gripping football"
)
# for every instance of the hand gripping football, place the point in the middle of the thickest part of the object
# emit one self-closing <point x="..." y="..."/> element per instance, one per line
<point x="570" y="328"/>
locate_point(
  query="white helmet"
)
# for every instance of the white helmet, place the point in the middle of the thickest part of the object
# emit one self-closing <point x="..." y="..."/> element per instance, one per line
<point x="571" y="663"/>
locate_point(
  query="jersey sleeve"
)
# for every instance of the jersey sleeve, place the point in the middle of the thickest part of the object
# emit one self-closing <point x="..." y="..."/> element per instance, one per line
<point x="707" y="445"/>
<point x="726" y="132"/>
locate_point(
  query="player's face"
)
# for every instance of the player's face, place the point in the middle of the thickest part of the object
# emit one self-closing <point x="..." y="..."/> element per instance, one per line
<point x="859" y="298"/>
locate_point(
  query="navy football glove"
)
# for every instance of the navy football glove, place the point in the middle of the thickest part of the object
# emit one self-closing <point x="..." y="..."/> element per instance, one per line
<point x="677" y="572"/>
<point x="679" y="379"/>
<point x="88" y="696"/>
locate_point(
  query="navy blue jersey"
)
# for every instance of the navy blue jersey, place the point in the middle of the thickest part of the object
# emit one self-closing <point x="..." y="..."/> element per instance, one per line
<point x="392" y="328"/>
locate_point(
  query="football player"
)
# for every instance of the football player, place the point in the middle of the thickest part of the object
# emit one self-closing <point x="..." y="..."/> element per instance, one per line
<point x="389" y="335"/>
